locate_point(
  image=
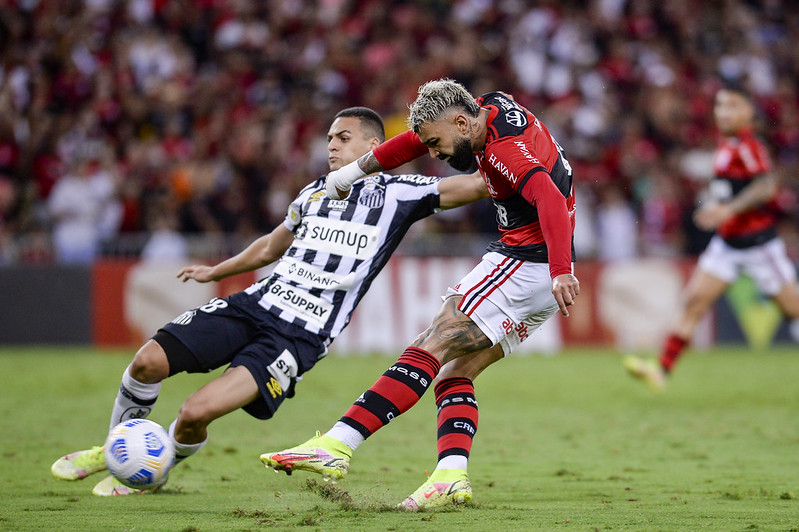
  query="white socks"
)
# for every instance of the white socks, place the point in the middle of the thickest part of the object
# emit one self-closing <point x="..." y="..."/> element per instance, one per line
<point x="454" y="461"/>
<point x="346" y="435"/>
<point x="134" y="400"/>
<point x="183" y="450"/>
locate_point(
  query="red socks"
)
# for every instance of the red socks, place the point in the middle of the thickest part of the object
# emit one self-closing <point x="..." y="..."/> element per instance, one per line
<point x="672" y="349"/>
<point x="400" y="387"/>
<point x="457" y="416"/>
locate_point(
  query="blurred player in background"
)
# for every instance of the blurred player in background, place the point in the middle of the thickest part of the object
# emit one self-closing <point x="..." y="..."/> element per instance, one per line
<point x="270" y="334"/>
<point x="739" y="207"/>
<point x="524" y="279"/>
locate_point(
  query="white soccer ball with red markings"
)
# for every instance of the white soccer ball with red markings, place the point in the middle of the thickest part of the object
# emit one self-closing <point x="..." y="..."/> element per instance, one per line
<point x="139" y="453"/>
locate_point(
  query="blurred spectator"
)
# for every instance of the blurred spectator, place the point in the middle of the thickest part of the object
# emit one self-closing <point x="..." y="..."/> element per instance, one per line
<point x="222" y="102"/>
<point x="84" y="210"/>
<point x="617" y="227"/>
<point x="165" y="243"/>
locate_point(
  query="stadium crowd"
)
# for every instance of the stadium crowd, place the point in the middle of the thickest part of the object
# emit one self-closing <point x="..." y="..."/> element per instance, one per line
<point x="168" y="118"/>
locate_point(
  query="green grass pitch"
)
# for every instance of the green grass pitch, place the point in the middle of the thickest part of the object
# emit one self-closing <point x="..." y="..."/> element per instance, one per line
<point x="564" y="443"/>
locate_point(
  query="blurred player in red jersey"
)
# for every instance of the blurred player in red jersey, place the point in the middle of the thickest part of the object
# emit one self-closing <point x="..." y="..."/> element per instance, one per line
<point x="739" y="207"/>
<point x="524" y="279"/>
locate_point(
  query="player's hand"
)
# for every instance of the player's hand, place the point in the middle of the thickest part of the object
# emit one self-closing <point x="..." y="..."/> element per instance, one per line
<point x="333" y="192"/>
<point x="198" y="272"/>
<point x="565" y="288"/>
<point x="339" y="182"/>
<point x="711" y="216"/>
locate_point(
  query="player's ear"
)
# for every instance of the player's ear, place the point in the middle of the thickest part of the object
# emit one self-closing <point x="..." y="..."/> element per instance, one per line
<point x="374" y="142"/>
<point x="462" y="123"/>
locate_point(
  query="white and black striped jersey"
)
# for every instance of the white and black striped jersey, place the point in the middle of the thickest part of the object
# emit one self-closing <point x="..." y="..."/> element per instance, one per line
<point x="339" y="248"/>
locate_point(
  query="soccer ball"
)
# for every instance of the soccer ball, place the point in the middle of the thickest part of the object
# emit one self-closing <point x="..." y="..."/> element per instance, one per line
<point x="139" y="453"/>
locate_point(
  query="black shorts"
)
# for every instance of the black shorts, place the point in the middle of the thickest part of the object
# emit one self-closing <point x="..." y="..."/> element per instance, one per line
<point x="237" y="331"/>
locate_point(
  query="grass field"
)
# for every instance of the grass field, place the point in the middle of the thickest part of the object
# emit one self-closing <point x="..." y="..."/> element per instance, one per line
<point x="564" y="443"/>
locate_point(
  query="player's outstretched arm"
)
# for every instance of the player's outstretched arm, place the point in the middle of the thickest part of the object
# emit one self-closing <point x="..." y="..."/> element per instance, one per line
<point x="461" y="189"/>
<point x="265" y="250"/>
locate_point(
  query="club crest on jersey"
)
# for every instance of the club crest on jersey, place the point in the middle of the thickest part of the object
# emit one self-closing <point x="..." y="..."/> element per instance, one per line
<point x="372" y="194"/>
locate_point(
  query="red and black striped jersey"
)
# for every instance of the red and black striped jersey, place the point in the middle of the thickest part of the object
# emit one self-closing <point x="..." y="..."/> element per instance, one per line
<point x="530" y="182"/>
<point x="528" y="177"/>
<point x="737" y="162"/>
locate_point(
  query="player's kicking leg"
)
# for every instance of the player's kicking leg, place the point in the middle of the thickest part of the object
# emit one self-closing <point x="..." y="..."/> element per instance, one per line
<point x="321" y="454"/>
<point x="400" y="387"/>
<point x="141" y="383"/>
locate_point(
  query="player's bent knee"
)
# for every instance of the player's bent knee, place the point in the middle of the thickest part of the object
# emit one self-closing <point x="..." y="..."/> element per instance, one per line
<point x="193" y="416"/>
<point x="150" y="364"/>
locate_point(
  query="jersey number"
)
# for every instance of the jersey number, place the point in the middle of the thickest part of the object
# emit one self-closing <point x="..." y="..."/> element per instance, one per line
<point x="213" y="305"/>
<point x="565" y="161"/>
<point x="502" y="215"/>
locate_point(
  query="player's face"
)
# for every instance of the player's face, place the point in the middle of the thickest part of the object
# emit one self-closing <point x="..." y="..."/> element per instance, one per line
<point x="732" y="112"/>
<point x="347" y="141"/>
<point x="444" y="141"/>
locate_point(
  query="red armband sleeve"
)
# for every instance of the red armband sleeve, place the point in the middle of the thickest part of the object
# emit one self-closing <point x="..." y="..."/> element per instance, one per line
<point x="556" y="224"/>
<point x="399" y="150"/>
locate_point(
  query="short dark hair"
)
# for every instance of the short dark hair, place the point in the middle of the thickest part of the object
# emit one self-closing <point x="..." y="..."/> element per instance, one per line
<point x="369" y="118"/>
<point x="736" y="86"/>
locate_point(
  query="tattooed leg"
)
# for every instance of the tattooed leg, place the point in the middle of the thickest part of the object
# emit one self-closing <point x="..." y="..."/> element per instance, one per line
<point x="452" y="334"/>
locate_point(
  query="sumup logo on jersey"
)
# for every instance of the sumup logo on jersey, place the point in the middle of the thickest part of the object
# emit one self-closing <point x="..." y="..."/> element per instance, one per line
<point x="338" y="237"/>
<point x="372" y="194"/>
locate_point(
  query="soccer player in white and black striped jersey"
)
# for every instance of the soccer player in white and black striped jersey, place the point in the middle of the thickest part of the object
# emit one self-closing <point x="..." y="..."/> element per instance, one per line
<point x="269" y="335"/>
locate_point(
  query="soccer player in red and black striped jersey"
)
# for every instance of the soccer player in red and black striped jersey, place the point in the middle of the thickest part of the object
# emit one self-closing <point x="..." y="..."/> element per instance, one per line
<point x="524" y="278"/>
<point x="740" y="208"/>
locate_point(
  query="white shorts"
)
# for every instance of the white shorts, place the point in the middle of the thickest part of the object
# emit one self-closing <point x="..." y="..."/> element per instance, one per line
<point x="507" y="298"/>
<point x="767" y="264"/>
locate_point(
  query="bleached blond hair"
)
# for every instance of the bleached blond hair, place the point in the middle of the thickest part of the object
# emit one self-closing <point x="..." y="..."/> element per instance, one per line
<point x="435" y="97"/>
